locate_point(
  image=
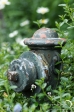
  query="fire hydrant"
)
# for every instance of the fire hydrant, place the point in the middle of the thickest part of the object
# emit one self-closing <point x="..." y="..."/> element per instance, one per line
<point x="42" y="61"/>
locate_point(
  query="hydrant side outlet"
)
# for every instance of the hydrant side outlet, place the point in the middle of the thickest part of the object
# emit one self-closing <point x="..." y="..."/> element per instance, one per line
<point x="42" y="61"/>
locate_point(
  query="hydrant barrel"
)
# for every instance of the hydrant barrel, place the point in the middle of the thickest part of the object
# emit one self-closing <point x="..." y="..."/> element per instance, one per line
<point x="42" y="61"/>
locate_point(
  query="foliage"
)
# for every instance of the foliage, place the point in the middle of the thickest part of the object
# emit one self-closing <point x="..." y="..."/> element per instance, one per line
<point x="66" y="26"/>
<point x="22" y="11"/>
<point x="59" y="100"/>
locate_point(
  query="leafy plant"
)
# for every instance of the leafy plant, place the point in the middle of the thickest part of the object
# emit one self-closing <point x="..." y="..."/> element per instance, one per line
<point x="48" y="100"/>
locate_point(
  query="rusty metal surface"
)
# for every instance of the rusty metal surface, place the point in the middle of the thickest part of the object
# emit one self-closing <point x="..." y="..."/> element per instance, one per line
<point x="26" y="74"/>
<point x="12" y="76"/>
<point x="42" y="61"/>
<point x="44" y="37"/>
<point x="30" y="66"/>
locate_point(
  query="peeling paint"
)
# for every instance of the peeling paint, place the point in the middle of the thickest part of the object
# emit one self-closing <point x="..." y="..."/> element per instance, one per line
<point x="37" y="63"/>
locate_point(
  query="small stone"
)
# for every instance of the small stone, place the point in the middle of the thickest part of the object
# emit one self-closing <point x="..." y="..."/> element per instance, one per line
<point x="17" y="108"/>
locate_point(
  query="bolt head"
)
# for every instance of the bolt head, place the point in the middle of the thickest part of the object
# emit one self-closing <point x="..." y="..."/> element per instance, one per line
<point x="12" y="76"/>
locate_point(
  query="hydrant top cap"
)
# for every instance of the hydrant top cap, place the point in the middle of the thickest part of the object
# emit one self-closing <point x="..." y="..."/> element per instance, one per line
<point x="44" y="33"/>
<point x="45" y="37"/>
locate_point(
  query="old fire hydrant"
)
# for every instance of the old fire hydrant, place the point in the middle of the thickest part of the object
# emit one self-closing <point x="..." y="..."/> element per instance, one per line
<point x="42" y="61"/>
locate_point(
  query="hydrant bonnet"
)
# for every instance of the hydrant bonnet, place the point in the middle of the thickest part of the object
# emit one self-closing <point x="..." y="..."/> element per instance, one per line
<point x="44" y="37"/>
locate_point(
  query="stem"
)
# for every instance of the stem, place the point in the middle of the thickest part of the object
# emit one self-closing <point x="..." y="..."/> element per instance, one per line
<point x="46" y="95"/>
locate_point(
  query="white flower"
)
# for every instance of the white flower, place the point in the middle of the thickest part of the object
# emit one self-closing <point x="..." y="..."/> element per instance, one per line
<point x="13" y="34"/>
<point x="3" y="3"/>
<point x="2" y="6"/>
<point x="43" y="21"/>
<point x="26" y="22"/>
<point x="33" y="86"/>
<point x="49" y="93"/>
<point x="42" y="10"/>
<point x="20" y="41"/>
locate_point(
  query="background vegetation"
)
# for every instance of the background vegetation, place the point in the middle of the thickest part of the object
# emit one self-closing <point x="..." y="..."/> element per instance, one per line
<point x="17" y="12"/>
<point x="61" y="18"/>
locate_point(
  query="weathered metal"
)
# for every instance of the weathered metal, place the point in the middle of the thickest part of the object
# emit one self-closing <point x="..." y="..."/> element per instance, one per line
<point x="42" y="61"/>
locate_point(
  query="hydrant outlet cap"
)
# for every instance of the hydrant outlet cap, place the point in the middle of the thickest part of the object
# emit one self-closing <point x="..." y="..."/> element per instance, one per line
<point x="44" y="37"/>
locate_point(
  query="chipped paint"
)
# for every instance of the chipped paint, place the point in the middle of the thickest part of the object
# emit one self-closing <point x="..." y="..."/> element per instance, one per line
<point x="44" y="37"/>
<point x="37" y="63"/>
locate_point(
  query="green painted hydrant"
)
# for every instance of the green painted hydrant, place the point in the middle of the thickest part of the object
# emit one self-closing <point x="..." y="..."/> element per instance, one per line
<point x="42" y="61"/>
